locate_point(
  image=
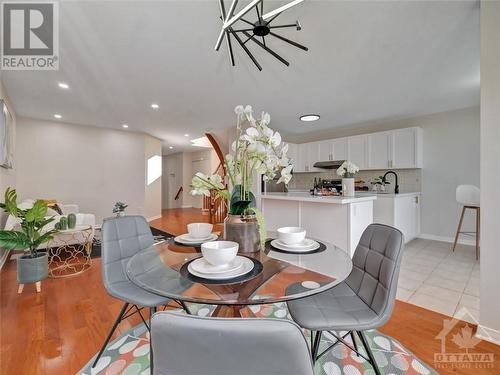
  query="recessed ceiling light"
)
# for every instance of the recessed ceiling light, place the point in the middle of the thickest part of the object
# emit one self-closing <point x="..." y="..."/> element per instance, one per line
<point x="171" y="147"/>
<point x="155" y="106"/>
<point x="58" y="116"/>
<point x="186" y="135"/>
<point x="63" y="85"/>
<point x="125" y="126"/>
<point x="308" y="118"/>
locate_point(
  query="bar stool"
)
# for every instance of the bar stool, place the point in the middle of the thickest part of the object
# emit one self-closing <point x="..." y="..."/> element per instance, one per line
<point x="468" y="196"/>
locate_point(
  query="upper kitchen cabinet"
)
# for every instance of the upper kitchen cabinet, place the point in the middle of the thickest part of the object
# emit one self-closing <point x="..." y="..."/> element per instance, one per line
<point x="313" y="150"/>
<point x="379" y="150"/>
<point x="357" y="151"/>
<point x="407" y="148"/>
<point x="325" y="150"/>
<point x="293" y="154"/>
<point x="339" y="149"/>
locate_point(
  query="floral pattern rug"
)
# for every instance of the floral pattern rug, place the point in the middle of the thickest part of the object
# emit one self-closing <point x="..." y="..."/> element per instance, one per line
<point x="129" y="353"/>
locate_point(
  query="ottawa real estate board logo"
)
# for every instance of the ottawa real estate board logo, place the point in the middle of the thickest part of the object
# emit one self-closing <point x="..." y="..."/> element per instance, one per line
<point x="30" y="35"/>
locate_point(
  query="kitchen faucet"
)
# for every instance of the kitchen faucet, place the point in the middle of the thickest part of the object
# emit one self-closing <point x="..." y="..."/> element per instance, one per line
<point x="396" y="186"/>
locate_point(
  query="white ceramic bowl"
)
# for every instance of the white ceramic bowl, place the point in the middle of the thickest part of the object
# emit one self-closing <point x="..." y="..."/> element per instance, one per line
<point x="199" y="230"/>
<point x="219" y="253"/>
<point x="291" y="235"/>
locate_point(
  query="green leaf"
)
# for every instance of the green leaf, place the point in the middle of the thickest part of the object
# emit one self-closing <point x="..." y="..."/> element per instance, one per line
<point x="10" y="240"/>
<point x="44" y="238"/>
<point x="37" y="212"/>
<point x="238" y="205"/>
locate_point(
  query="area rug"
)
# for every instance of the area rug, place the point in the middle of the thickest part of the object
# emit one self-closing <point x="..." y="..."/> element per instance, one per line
<point x="129" y="353"/>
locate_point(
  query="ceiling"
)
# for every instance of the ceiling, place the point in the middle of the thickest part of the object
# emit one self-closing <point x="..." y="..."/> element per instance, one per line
<point x="367" y="61"/>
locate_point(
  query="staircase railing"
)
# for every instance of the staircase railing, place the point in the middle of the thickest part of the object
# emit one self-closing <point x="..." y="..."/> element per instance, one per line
<point x="179" y="192"/>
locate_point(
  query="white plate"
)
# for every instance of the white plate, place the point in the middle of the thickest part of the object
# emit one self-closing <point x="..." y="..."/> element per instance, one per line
<point x="188" y="237"/>
<point x="313" y="245"/>
<point x="307" y="242"/>
<point x="186" y="240"/>
<point x="201" y="265"/>
<point x="246" y="266"/>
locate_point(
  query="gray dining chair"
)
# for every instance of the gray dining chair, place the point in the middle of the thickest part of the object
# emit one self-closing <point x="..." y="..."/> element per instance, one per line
<point x="363" y="301"/>
<point x="192" y="345"/>
<point x="123" y="237"/>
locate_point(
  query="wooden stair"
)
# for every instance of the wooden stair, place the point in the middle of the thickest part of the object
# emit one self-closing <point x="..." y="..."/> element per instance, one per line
<point x="216" y="207"/>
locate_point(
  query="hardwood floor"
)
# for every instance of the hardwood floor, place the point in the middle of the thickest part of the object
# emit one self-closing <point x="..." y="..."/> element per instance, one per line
<point x="58" y="330"/>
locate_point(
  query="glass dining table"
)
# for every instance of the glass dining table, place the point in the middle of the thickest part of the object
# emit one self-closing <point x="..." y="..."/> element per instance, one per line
<point x="276" y="277"/>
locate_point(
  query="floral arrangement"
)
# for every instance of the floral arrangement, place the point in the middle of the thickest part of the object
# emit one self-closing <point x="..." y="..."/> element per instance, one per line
<point x="347" y="170"/>
<point x="257" y="148"/>
<point x="119" y="207"/>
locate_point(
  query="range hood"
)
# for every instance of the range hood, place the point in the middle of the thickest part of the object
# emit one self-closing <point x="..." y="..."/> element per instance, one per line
<point x="329" y="164"/>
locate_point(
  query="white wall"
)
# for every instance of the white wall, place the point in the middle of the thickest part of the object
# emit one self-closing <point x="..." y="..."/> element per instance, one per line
<point x="7" y="176"/>
<point x="171" y="180"/>
<point x="490" y="171"/>
<point x="152" y="193"/>
<point x="90" y="166"/>
<point x="451" y="157"/>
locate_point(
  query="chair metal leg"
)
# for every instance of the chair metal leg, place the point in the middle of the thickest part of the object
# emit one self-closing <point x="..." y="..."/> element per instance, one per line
<point x="353" y="338"/>
<point x="152" y="310"/>
<point x="315" y="348"/>
<point x="459" y="228"/>
<point x="110" y="334"/>
<point x="184" y="307"/>
<point x="369" y="352"/>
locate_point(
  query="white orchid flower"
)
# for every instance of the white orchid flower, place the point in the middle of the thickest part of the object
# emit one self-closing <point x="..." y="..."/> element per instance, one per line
<point x="276" y="139"/>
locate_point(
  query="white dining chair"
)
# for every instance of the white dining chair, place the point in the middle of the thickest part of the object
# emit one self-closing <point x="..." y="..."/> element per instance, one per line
<point x="468" y="197"/>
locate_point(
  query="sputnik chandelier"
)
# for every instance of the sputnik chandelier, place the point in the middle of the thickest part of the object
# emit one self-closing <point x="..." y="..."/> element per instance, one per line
<point x="256" y="31"/>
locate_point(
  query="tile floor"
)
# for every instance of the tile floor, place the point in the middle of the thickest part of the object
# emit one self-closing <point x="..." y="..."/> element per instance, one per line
<point x="434" y="277"/>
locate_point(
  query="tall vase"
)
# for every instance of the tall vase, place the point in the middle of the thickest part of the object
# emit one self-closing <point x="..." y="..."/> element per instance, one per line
<point x="243" y="229"/>
<point x="348" y="187"/>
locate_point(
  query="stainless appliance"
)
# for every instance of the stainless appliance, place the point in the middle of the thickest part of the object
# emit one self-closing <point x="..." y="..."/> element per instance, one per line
<point x="332" y="184"/>
<point x="328" y="164"/>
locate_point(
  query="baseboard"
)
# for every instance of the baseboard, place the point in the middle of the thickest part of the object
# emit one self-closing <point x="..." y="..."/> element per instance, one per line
<point x="154" y="218"/>
<point x="4" y="257"/>
<point x="187" y="206"/>
<point x="488" y="334"/>
<point x="446" y="239"/>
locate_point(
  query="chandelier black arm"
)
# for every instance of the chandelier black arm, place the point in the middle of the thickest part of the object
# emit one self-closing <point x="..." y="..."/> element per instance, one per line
<point x="289" y="41"/>
<point x="246" y="50"/>
<point x="230" y="47"/>
<point x="257" y="10"/>
<point x="272" y="18"/>
<point x="267" y="49"/>
<point x="241" y="30"/>
<point x="282" y="26"/>
<point x="247" y="21"/>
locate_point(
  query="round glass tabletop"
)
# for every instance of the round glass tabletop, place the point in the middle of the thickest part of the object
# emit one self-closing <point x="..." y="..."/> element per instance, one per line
<point x="161" y="269"/>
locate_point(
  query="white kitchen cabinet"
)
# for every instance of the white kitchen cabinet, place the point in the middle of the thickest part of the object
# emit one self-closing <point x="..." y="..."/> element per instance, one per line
<point x="302" y="157"/>
<point x="339" y="149"/>
<point x="406" y="148"/>
<point x="357" y="151"/>
<point x="313" y="156"/>
<point x="401" y="211"/>
<point x="293" y="154"/>
<point x="379" y="150"/>
<point x="325" y="150"/>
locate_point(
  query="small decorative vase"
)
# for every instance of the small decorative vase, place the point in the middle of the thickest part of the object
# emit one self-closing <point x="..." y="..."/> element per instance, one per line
<point x="348" y="187"/>
<point x="382" y="188"/>
<point x="243" y="229"/>
<point x="120" y="213"/>
<point x="31" y="270"/>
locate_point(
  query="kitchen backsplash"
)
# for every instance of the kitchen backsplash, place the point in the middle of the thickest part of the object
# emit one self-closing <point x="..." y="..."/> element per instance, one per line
<point x="409" y="180"/>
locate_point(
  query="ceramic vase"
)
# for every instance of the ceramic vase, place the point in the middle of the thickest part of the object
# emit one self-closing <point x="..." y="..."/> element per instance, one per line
<point x="243" y="229"/>
<point x="348" y="187"/>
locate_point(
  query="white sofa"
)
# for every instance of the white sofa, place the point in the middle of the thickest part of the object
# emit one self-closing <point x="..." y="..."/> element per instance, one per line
<point x="13" y="223"/>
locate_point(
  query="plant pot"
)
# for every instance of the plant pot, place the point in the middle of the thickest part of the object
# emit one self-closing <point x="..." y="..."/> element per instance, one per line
<point x="348" y="187"/>
<point x="31" y="270"/>
<point x="243" y="229"/>
<point x="120" y="213"/>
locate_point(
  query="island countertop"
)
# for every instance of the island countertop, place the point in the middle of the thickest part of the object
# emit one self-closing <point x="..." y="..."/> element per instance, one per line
<point x="306" y="197"/>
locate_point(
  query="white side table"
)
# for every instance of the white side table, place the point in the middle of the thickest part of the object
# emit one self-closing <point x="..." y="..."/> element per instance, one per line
<point x="69" y="251"/>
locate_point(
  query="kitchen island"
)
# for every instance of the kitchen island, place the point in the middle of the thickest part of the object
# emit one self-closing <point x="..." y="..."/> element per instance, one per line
<point x="335" y="219"/>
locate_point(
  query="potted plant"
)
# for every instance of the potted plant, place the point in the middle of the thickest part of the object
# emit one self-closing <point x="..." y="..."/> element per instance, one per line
<point x="119" y="208"/>
<point x="257" y="149"/>
<point x="33" y="265"/>
<point x="347" y="171"/>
